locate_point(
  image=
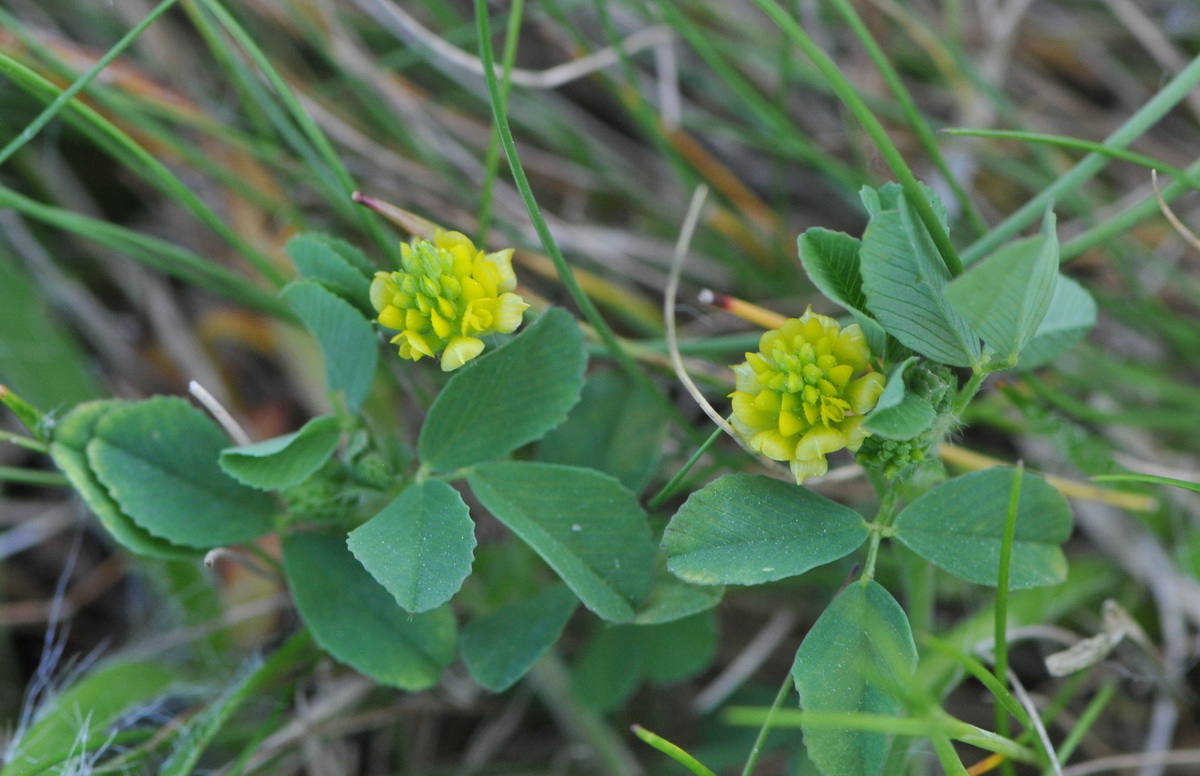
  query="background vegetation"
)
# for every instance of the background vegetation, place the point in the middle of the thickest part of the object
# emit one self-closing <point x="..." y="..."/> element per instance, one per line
<point x="141" y="247"/>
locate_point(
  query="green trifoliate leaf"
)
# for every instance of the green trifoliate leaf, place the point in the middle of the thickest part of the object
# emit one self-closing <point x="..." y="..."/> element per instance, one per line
<point x="508" y="398"/>
<point x="673" y="599"/>
<point x="832" y="262"/>
<point x="747" y="530"/>
<point x="333" y="264"/>
<point x="958" y="526"/>
<point x="617" y="659"/>
<point x="420" y="547"/>
<point x="284" y="460"/>
<point x="1071" y="316"/>
<point x="68" y="450"/>
<point x="1006" y="296"/>
<point x="905" y="279"/>
<point x="857" y="655"/>
<point x="347" y="340"/>
<point x="899" y="413"/>
<point x="615" y="428"/>
<point x="584" y="524"/>
<point x="158" y="460"/>
<point x="358" y="622"/>
<point x="500" y="647"/>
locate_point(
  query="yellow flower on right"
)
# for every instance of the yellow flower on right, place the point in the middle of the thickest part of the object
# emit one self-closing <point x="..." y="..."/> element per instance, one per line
<point x="805" y="393"/>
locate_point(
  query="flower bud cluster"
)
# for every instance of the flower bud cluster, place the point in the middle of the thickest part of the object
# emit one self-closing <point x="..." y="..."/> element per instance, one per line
<point x="805" y="393"/>
<point x="891" y="456"/>
<point x="447" y="295"/>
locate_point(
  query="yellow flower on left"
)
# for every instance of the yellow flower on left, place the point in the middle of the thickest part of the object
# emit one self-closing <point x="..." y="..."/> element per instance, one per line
<point x="447" y="295"/>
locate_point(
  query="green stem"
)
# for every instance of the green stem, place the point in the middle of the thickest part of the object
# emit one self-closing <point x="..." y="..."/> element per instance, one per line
<point x="761" y="739"/>
<point x="949" y="758"/>
<point x="908" y="106"/>
<point x="862" y="113"/>
<point x="879" y="526"/>
<point x="24" y="441"/>
<point x="1086" y="720"/>
<point x="586" y="306"/>
<point x="1000" y="630"/>
<point x="673" y="751"/>
<point x="553" y="686"/>
<point x="81" y="83"/>
<point x="492" y="161"/>
<point x="967" y="392"/>
<point x="978" y="670"/>
<point x="670" y="487"/>
<point x="33" y="477"/>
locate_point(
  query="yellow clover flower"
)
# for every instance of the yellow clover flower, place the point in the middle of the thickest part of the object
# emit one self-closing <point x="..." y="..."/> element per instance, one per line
<point x="447" y="295"/>
<point x="804" y="394"/>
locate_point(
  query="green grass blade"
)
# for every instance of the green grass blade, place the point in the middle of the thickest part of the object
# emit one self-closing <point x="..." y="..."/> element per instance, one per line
<point x="81" y="83"/>
<point x="1000" y="629"/>
<point x="125" y="149"/>
<point x="491" y="162"/>
<point x="1137" y="125"/>
<point x="155" y="253"/>
<point x="304" y="121"/>
<point x="671" y="750"/>
<point x="908" y="107"/>
<point x="1078" y="144"/>
<point x="1151" y="478"/>
<point x="603" y="330"/>
<point x="782" y="127"/>
<point x="858" y="107"/>
<point x="1104" y="233"/>
<point x="195" y="736"/>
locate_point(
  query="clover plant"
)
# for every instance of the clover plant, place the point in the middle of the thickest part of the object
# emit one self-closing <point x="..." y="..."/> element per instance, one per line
<point x="378" y="509"/>
<point x="378" y="540"/>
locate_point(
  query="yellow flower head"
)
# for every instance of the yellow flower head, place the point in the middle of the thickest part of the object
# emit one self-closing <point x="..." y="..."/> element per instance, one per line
<point x="448" y="295"/>
<point x="804" y="393"/>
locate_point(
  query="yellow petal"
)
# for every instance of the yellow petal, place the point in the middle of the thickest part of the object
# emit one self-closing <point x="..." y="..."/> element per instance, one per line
<point x="441" y="326"/>
<point x="750" y="416"/>
<point x="790" y="424"/>
<point x="471" y="290"/>
<point x="818" y="441"/>
<point x="453" y="241"/>
<point x="478" y="318"/>
<point x="418" y="343"/>
<point x="855" y="433"/>
<point x="773" y="445"/>
<point x="768" y="401"/>
<point x="414" y="321"/>
<point x="864" y="392"/>
<point x="511" y="309"/>
<point x="814" y="332"/>
<point x="383" y="288"/>
<point x="460" y="351"/>
<point x="802" y="470"/>
<point x="392" y="317"/>
<point x="506" y="279"/>
<point x="757" y="363"/>
<point x="852" y="348"/>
